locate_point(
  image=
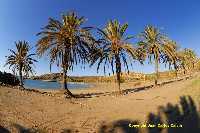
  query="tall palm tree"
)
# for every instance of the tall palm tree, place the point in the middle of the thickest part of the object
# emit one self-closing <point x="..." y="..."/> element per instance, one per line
<point x="154" y="43"/>
<point x="114" y="49"/>
<point x="66" y="42"/>
<point x="20" y="60"/>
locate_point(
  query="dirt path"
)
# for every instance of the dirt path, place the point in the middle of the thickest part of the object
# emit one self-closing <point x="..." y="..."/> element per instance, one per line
<point x="21" y="110"/>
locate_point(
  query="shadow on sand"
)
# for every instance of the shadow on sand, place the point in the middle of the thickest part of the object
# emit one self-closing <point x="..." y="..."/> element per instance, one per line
<point x="184" y="116"/>
<point x="22" y="129"/>
<point x="125" y="92"/>
<point x="3" y="130"/>
<point x="130" y="90"/>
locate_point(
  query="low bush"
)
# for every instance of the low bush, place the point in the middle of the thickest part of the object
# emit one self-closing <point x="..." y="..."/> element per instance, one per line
<point x="8" y="79"/>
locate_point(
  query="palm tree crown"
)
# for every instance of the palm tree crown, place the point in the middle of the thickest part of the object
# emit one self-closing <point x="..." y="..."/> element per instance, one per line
<point x="187" y="59"/>
<point x="170" y="55"/>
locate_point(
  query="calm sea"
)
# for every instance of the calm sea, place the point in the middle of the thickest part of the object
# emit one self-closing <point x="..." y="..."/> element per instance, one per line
<point x="28" y="83"/>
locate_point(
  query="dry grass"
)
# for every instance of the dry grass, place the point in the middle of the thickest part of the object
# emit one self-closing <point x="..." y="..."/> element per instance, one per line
<point x="193" y="90"/>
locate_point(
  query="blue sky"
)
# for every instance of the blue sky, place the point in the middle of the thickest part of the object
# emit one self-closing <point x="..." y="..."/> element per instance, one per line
<point x="22" y="20"/>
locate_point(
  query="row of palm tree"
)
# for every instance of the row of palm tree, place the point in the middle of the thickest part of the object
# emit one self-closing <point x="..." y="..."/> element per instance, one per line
<point x="67" y="43"/>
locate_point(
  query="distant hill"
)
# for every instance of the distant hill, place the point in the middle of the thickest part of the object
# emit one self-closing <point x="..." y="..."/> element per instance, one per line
<point x="52" y="76"/>
<point x="132" y="76"/>
<point x="58" y="76"/>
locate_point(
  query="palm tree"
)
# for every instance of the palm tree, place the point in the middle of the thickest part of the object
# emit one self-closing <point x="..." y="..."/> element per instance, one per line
<point x="21" y="60"/>
<point x="113" y="49"/>
<point x="187" y="59"/>
<point x="183" y="60"/>
<point x="198" y="64"/>
<point x="192" y="58"/>
<point x="154" y="43"/>
<point x="170" y="55"/>
<point x="66" y="43"/>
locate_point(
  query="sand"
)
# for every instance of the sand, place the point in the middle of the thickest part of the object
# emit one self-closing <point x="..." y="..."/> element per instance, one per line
<point x="24" y="110"/>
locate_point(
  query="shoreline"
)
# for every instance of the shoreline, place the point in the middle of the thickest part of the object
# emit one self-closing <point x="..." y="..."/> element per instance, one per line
<point x="102" y="88"/>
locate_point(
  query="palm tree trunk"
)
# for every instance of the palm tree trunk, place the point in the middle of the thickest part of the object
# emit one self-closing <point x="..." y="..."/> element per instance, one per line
<point x="118" y="81"/>
<point x="65" y="87"/>
<point x="20" y="76"/>
<point x="184" y="70"/>
<point x="176" y="73"/>
<point x="176" y="70"/>
<point x="118" y="72"/>
<point x="156" y="71"/>
<point x="193" y="67"/>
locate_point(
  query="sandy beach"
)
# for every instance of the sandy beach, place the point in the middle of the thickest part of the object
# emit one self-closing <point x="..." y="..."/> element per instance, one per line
<point x="51" y="112"/>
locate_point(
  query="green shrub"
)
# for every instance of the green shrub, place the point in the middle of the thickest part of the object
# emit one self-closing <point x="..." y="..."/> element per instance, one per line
<point x="8" y="79"/>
